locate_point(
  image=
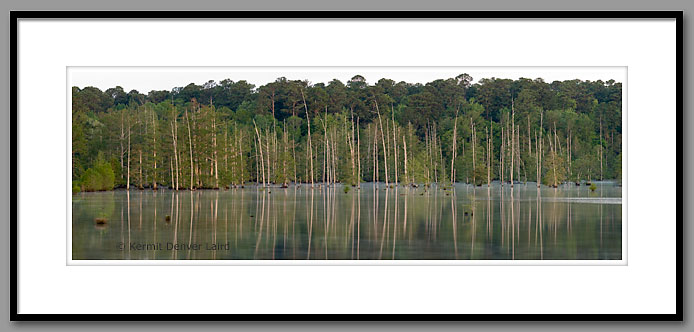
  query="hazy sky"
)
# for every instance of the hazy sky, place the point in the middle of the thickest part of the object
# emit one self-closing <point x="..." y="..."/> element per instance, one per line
<point x="145" y="79"/>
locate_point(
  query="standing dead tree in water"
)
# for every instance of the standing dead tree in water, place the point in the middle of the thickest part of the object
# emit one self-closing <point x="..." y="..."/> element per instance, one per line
<point x="455" y="146"/>
<point x="128" y="177"/>
<point x="407" y="175"/>
<point x="358" y="157"/>
<point x="383" y="139"/>
<point x="214" y="145"/>
<point x="190" y="143"/>
<point x="502" y="151"/>
<point x="154" y="149"/>
<point x="174" y="138"/>
<point x="310" y="148"/>
<point x="434" y="160"/>
<point x="513" y="135"/>
<point x="352" y="149"/>
<point x="260" y="148"/>
<point x="474" y="142"/>
<point x="489" y="159"/>
<point x="326" y="180"/>
<point x="395" y="144"/>
<point x="600" y="146"/>
<point x="285" y="156"/>
<point x="539" y="156"/>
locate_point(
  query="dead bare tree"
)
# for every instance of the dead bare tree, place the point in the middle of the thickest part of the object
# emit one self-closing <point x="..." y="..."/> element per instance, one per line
<point x="454" y="146"/>
<point x="190" y="142"/>
<point x="310" y="148"/>
<point x="383" y="139"/>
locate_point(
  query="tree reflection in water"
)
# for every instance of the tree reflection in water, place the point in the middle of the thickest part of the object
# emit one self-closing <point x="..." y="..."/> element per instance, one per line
<point x="402" y="223"/>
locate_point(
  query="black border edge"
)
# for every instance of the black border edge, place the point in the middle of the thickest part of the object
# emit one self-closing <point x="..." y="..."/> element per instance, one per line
<point x="14" y="314"/>
<point x="679" y="315"/>
<point x="424" y="15"/>
<point x="353" y="15"/>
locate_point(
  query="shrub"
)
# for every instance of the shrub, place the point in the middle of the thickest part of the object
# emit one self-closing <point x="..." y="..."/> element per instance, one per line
<point x="75" y="187"/>
<point x="99" y="177"/>
<point x="480" y="173"/>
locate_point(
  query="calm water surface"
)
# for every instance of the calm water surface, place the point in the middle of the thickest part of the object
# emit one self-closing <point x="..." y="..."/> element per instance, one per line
<point x="496" y="223"/>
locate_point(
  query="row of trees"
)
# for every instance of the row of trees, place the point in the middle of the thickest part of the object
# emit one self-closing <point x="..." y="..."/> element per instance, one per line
<point x="231" y="133"/>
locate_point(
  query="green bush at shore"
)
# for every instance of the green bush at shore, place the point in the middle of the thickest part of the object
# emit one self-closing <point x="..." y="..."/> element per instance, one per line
<point x="75" y="187"/>
<point x="97" y="178"/>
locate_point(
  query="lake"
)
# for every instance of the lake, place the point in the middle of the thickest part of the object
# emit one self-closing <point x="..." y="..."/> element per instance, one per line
<point x="371" y="223"/>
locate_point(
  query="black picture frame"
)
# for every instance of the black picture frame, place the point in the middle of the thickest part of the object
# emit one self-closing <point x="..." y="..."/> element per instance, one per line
<point x="15" y="16"/>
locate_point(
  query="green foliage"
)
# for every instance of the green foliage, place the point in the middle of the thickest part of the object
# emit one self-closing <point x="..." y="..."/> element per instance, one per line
<point x="100" y="177"/>
<point x="204" y="135"/>
<point x="75" y="187"/>
<point x="480" y="174"/>
<point x="593" y="187"/>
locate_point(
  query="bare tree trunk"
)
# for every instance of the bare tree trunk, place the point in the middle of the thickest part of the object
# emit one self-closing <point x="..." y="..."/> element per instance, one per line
<point x="358" y="156"/>
<point x="443" y="166"/>
<point x="285" y="173"/>
<point x="214" y="146"/>
<point x="518" y="153"/>
<point x="350" y="141"/>
<point x="334" y="161"/>
<point x="260" y="148"/>
<point x="310" y="148"/>
<point x="127" y="186"/>
<point x="267" y="155"/>
<point x="539" y="174"/>
<point x="436" y="162"/>
<point x="530" y="148"/>
<point x="242" y="165"/>
<point x="122" y="138"/>
<point x="474" y="142"/>
<point x="513" y="135"/>
<point x="225" y="126"/>
<point x="407" y="175"/>
<point x="553" y="147"/>
<point x="537" y="161"/>
<point x="601" y="147"/>
<point x="257" y="169"/>
<point x="455" y="146"/>
<point x="427" y="141"/>
<point x="383" y="139"/>
<point x="174" y="138"/>
<point x="325" y="149"/>
<point x="154" y="148"/>
<point x="489" y="174"/>
<point x="294" y="158"/>
<point x="190" y="143"/>
<point x="375" y="154"/>
<point x="501" y="155"/>
<point x="395" y="144"/>
<point x="140" y="185"/>
<point x="568" y="156"/>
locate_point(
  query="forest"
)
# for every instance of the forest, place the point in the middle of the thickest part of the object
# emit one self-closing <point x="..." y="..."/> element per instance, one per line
<point x="231" y="133"/>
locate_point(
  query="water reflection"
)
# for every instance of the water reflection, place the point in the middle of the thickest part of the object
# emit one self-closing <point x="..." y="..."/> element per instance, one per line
<point x="370" y="222"/>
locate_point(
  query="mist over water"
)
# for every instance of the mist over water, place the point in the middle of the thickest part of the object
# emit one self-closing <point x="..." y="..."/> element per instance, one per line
<point x="370" y="223"/>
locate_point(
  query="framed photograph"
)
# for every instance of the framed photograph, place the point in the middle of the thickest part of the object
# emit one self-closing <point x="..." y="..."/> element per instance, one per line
<point x="346" y="165"/>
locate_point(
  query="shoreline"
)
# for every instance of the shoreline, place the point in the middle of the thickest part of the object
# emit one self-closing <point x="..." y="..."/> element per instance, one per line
<point x="321" y="186"/>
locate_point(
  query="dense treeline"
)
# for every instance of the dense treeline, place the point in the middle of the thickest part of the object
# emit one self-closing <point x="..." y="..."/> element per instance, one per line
<point x="230" y="133"/>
